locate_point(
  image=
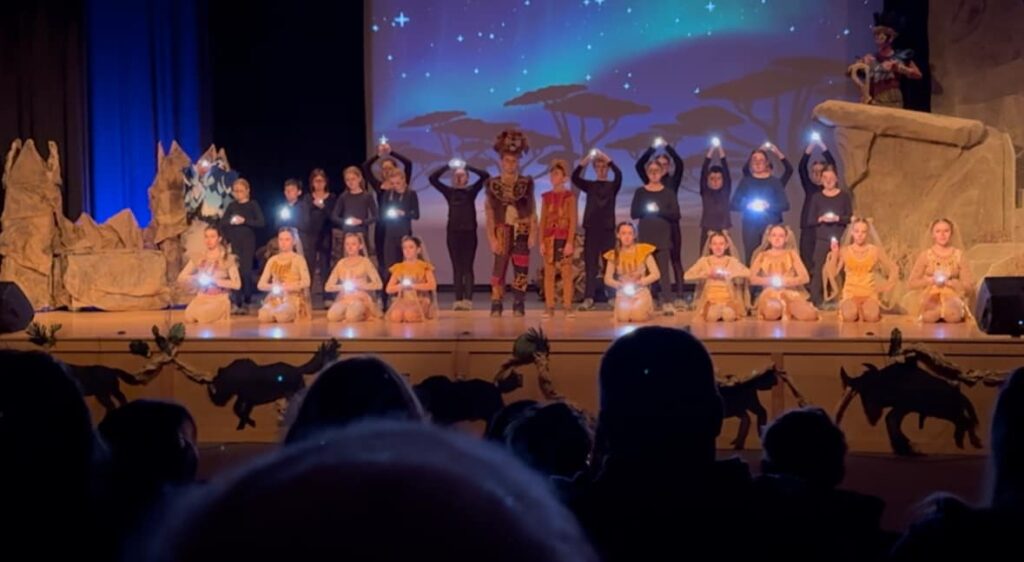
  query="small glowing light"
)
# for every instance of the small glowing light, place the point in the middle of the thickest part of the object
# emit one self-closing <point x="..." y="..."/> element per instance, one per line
<point x="721" y="272"/>
<point x="652" y="207"/>
<point x="407" y="282"/>
<point x="831" y="216"/>
<point x="204" y="163"/>
<point x="349" y="332"/>
<point x="456" y="163"/>
<point x="758" y="206"/>
<point x="767" y="145"/>
<point x="205" y="333"/>
<point x="350" y="221"/>
<point x="205" y="280"/>
<point x="276" y="290"/>
<point x="835" y="240"/>
<point x="629" y="289"/>
<point x="319" y="202"/>
<point x="392" y="213"/>
<point x="279" y="378"/>
<point x="776" y="281"/>
<point x="349" y="286"/>
<point x="940" y="277"/>
<point x="593" y="153"/>
<point x="383" y="139"/>
<point x="659" y="142"/>
<point x="285" y="213"/>
<point x="816" y="136"/>
<point x="716" y="142"/>
<point x="277" y="332"/>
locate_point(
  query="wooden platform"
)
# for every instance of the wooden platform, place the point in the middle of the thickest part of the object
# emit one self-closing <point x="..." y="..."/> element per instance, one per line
<point x="473" y="345"/>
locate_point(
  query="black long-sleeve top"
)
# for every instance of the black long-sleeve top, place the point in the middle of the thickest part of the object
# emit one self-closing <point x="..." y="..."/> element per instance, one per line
<point x="841" y="204"/>
<point x="297" y="217"/>
<point x="320" y="218"/>
<point x="361" y="206"/>
<point x="715" y="202"/>
<point x="374" y="181"/>
<point x="398" y="226"/>
<point x="655" y="225"/>
<point x="810" y="188"/>
<point x="772" y="189"/>
<point x="250" y="211"/>
<point x="673" y="181"/>
<point x="599" y="211"/>
<point x="461" y="200"/>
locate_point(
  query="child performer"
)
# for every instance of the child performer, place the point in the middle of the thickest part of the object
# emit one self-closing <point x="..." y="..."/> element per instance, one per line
<point x="598" y="219"/>
<point x="399" y="206"/>
<point x="462" y="239"/>
<point x="285" y="279"/>
<point x="320" y="238"/>
<point x="630" y="271"/>
<point x="558" y="217"/>
<point x="672" y="168"/>
<point x="941" y="275"/>
<point x="810" y="180"/>
<point x="721" y="279"/>
<point x="214" y="277"/>
<point x="657" y="209"/>
<point x="777" y="268"/>
<point x="353" y="278"/>
<point x="241" y="219"/>
<point x="715" y="192"/>
<point x="828" y="214"/>
<point x="861" y="257"/>
<point x="511" y="222"/>
<point x="761" y="197"/>
<point x="356" y="208"/>
<point x="413" y="284"/>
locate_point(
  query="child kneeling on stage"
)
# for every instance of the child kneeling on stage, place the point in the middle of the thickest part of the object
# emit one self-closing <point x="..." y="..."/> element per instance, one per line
<point x="286" y="280"/>
<point x="353" y="279"/>
<point x="777" y="267"/>
<point x="413" y="284"/>
<point x="721" y="279"/>
<point x="630" y="271"/>
<point x="213" y="277"/>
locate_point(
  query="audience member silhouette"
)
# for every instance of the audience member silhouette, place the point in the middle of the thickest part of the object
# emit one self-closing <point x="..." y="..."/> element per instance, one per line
<point x="496" y="427"/>
<point x="804" y="461"/>
<point x="353" y="390"/>
<point x="554" y="439"/>
<point x="954" y="530"/>
<point x="47" y="467"/>
<point x="152" y="455"/>
<point x="383" y="490"/>
<point x="655" y="491"/>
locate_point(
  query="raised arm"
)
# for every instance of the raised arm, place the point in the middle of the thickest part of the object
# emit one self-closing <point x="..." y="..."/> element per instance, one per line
<point x="406" y="165"/>
<point x="678" y="167"/>
<point x="435" y="180"/>
<point x="482" y="177"/>
<point x="787" y="170"/>
<point x="371" y="179"/>
<point x="641" y="165"/>
<point x="704" y="168"/>
<point x="805" y="173"/>
<point x="577" y="179"/>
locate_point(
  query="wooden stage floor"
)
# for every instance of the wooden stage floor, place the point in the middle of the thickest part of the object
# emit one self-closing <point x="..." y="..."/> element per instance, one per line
<point x="470" y="345"/>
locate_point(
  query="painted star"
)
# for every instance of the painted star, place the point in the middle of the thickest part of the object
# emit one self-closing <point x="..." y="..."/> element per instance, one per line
<point x="710" y="7"/>
<point x="460" y="38"/>
<point x="402" y="19"/>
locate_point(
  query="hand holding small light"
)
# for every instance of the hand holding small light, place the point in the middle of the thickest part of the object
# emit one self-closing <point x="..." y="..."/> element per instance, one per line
<point x="276" y="290"/>
<point x="392" y="213"/>
<point x="940" y="278"/>
<point x="407" y="282"/>
<point x="652" y="207"/>
<point x="629" y="289"/>
<point x="758" y="206"/>
<point x="716" y="142"/>
<point x="351" y="221"/>
<point x="286" y="213"/>
<point x="658" y="142"/>
<point x="237" y="219"/>
<point x="205" y="280"/>
<point x="457" y="164"/>
<point x="349" y="286"/>
<point x="777" y="282"/>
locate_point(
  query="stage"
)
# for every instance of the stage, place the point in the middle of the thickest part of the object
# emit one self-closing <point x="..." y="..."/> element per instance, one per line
<point x="472" y="345"/>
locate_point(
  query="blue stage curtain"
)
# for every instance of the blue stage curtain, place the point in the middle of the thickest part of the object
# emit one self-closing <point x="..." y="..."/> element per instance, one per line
<point x="144" y="86"/>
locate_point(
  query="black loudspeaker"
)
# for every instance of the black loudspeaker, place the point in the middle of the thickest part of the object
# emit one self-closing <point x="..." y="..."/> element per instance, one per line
<point x="15" y="310"/>
<point x="1000" y="306"/>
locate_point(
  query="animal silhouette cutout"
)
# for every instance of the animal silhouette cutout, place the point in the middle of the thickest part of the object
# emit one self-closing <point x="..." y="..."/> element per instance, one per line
<point x="740" y="399"/>
<point x="905" y="388"/>
<point x="252" y="385"/>
<point x="103" y="383"/>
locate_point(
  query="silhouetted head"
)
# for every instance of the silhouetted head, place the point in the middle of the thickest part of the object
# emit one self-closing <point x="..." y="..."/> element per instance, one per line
<point x="151" y="443"/>
<point x="553" y="439"/>
<point x="1007" y="460"/>
<point x="815" y="169"/>
<point x="45" y="433"/>
<point x="805" y="444"/>
<point x="505" y="417"/>
<point x="353" y="390"/>
<point x="658" y="396"/>
<point x="377" y="491"/>
<point x="292" y="190"/>
<point x="318" y="180"/>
